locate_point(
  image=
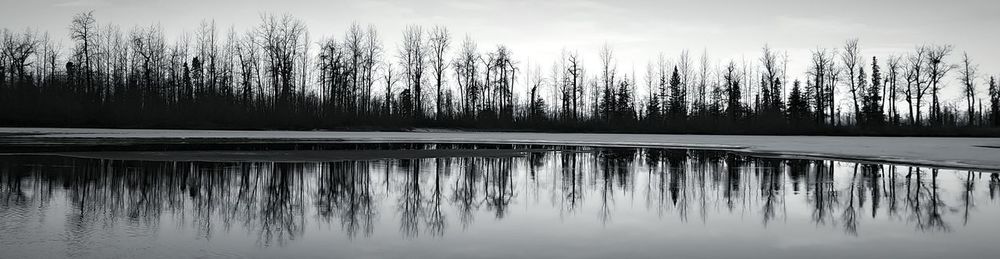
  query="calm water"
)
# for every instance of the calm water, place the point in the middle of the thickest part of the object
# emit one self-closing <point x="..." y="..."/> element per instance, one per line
<point x="489" y="202"/>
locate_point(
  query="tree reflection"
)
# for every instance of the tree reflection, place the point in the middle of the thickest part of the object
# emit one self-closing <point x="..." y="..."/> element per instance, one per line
<point x="428" y="195"/>
<point x="410" y="202"/>
<point x="465" y="192"/>
<point x="994" y="185"/>
<point x="344" y="191"/>
<point x="571" y="181"/>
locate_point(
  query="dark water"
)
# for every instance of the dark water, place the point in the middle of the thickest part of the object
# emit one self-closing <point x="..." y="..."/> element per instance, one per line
<point x="491" y="202"/>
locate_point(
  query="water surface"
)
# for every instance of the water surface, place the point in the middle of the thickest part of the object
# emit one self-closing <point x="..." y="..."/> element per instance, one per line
<point x="487" y="201"/>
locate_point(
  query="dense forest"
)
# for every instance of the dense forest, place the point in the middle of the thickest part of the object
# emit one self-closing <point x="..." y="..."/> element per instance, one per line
<point x="274" y="76"/>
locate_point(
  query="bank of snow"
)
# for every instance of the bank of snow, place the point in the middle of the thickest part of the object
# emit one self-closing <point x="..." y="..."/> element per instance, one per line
<point x="973" y="153"/>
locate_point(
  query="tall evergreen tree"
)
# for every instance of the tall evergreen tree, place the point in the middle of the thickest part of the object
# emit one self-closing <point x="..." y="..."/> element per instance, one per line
<point x="608" y="105"/>
<point x="862" y="87"/>
<point x="995" y="101"/>
<point x="873" y="112"/>
<point x="734" y="98"/>
<point x="653" y="108"/>
<point x="536" y="107"/>
<point x="677" y="108"/>
<point x="626" y="109"/>
<point x="798" y="106"/>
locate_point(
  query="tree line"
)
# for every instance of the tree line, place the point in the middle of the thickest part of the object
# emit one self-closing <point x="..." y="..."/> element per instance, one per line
<point x="273" y="75"/>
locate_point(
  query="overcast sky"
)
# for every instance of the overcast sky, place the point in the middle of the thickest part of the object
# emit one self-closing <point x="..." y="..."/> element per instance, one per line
<point x="536" y="31"/>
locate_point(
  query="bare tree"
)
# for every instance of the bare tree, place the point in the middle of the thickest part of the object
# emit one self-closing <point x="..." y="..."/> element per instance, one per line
<point x="852" y="59"/>
<point x="303" y="58"/>
<point x="536" y="104"/>
<point x="207" y="38"/>
<point x="17" y="48"/>
<point x="372" y="56"/>
<point x="892" y="83"/>
<point x="833" y="74"/>
<point x="503" y="69"/>
<point x="281" y="40"/>
<point x="354" y="43"/>
<point x="662" y="89"/>
<point x="821" y="60"/>
<point x="559" y="102"/>
<point x="83" y="30"/>
<point x="439" y="43"/>
<point x="968" y="78"/>
<point x="389" y="78"/>
<point x="248" y="56"/>
<point x="575" y="71"/>
<point x="413" y="55"/>
<point x="770" y="88"/>
<point x="703" y="76"/>
<point x="466" y="75"/>
<point x="686" y="72"/>
<point x="608" y="73"/>
<point x="937" y="69"/>
<point x="916" y="84"/>
<point x="149" y="48"/>
<point x="653" y="101"/>
<point x="43" y="70"/>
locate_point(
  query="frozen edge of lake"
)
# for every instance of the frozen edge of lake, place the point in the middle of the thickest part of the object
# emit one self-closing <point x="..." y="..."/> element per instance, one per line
<point x="955" y="153"/>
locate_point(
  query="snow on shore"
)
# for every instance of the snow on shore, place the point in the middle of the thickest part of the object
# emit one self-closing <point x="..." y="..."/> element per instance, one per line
<point x="973" y="153"/>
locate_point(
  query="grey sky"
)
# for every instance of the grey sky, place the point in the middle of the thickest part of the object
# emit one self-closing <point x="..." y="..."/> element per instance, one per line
<point x="638" y="30"/>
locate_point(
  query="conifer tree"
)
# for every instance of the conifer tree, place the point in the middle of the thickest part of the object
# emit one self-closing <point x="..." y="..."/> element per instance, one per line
<point x="625" y="110"/>
<point x="734" y="104"/>
<point x="798" y="107"/>
<point x="677" y="108"/>
<point x="873" y="113"/>
<point x="995" y="101"/>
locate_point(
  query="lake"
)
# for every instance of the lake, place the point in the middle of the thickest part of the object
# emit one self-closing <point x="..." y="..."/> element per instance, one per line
<point x="486" y="201"/>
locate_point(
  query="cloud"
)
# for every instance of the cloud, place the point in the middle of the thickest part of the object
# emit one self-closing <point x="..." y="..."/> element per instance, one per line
<point x="81" y="3"/>
<point x="125" y="3"/>
<point x="820" y="24"/>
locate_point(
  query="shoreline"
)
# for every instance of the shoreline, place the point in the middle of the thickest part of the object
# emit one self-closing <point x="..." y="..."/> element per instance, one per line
<point x="942" y="152"/>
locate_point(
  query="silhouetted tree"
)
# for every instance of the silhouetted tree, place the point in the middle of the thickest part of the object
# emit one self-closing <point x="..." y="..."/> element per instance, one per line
<point x="608" y="73"/>
<point x="771" y="103"/>
<point x="652" y="105"/>
<point x="575" y="90"/>
<point x="467" y="77"/>
<point x="873" y="113"/>
<point x="440" y="40"/>
<point x="536" y="107"/>
<point x="937" y="69"/>
<point x="16" y="49"/>
<point x="893" y="86"/>
<point x="798" y="107"/>
<point x="271" y="77"/>
<point x="916" y="84"/>
<point x="968" y="79"/>
<point x="413" y="55"/>
<point x="677" y="109"/>
<point x="625" y="104"/>
<point x="734" y="105"/>
<point x="851" y="58"/>
<point x="994" y="101"/>
<point x="281" y="38"/>
<point x="83" y="30"/>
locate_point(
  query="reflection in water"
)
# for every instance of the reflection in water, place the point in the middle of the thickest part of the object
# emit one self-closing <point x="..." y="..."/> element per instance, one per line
<point x="278" y="203"/>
